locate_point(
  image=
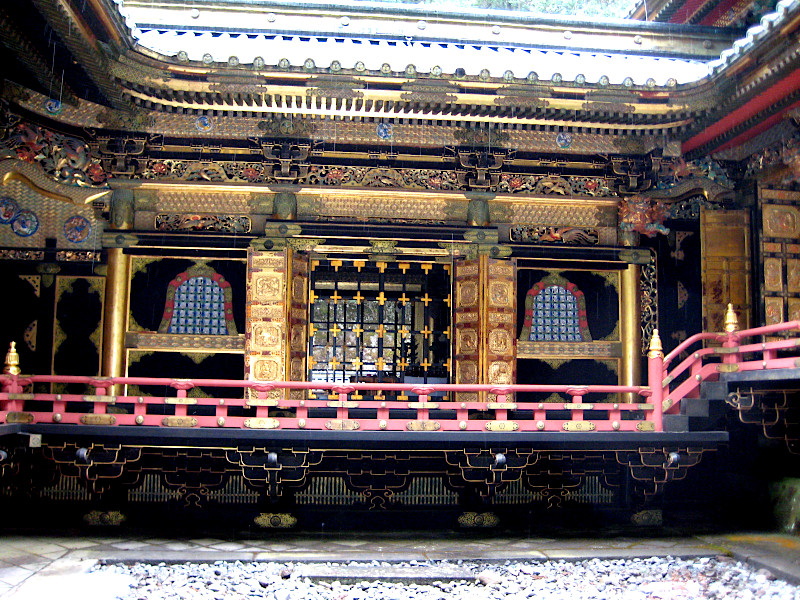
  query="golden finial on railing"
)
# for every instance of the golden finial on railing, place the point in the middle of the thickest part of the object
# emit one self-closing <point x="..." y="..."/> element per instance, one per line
<point x="656" y="350"/>
<point x="731" y="322"/>
<point x="12" y="360"/>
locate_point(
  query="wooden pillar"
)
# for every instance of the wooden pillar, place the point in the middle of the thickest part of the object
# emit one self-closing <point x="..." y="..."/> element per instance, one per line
<point x="631" y="329"/>
<point x="118" y="277"/>
<point x="115" y="315"/>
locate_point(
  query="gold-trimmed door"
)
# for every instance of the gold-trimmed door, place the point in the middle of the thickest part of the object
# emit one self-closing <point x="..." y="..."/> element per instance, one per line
<point x="485" y="315"/>
<point x="266" y="316"/>
<point x="467" y="325"/>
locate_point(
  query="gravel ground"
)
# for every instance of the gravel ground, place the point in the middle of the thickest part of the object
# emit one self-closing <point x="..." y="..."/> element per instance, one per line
<point x="638" y="579"/>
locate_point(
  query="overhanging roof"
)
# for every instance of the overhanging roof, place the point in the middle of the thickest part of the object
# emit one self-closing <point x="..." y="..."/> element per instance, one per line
<point x="410" y="40"/>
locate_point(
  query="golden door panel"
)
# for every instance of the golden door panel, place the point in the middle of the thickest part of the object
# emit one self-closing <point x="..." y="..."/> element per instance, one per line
<point x="466" y="294"/>
<point x="467" y="371"/>
<point x="501" y="269"/>
<point x="266" y="336"/>
<point x="773" y="310"/>
<point x="265" y="312"/>
<point x="773" y="275"/>
<point x="267" y="287"/>
<point x="501" y="294"/>
<point x="500" y="341"/>
<point x="267" y="369"/>
<point x="466" y="317"/>
<point x="297" y="341"/>
<point x="267" y="329"/>
<point x="500" y="372"/>
<point x="793" y="276"/>
<point x="466" y="341"/>
<point x="781" y="221"/>
<point x="467" y="325"/>
<point x="297" y="371"/>
<point x="725" y="259"/>
<point x="299" y="290"/>
<point x="794" y="309"/>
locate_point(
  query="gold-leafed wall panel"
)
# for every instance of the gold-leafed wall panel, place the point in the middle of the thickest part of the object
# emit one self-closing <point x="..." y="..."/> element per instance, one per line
<point x="779" y="251"/>
<point x="500" y="322"/>
<point x="725" y="239"/>
<point x="485" y="323"/>
<point x="298" y="320"/>
<point x="467" y="325"/>
<point x="266" y="311"/>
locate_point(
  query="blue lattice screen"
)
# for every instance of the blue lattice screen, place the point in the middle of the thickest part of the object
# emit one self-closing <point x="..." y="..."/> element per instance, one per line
<point x="555" y="316"/>
<point x="199" y="308"/>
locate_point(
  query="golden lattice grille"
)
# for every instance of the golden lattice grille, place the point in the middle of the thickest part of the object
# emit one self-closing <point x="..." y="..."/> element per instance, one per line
<point x="375" y="321"/>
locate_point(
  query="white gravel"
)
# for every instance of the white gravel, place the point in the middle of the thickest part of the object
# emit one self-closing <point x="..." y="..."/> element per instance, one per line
<point x="657" y="578"/>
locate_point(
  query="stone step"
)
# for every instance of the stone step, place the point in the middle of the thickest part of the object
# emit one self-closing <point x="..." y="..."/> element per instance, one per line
<point x="350" y="574"/>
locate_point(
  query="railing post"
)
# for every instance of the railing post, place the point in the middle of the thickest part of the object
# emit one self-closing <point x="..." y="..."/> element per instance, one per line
<point x="731" y="336"/>
<point x="655" y="377"/>
<point x="12" y="385"/>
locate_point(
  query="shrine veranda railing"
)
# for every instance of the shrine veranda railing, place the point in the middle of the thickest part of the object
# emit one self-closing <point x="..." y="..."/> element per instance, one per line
<point x="731" y="355"/>
<point x="397" y="406"/>
<point x="404" y="407"/>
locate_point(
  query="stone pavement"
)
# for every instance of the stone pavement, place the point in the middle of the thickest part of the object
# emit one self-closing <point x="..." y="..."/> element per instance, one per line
<point x="35" y="567"/>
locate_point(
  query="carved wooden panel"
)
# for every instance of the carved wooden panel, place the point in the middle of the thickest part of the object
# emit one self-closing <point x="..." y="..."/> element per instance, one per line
<point x="725" y="236"/>
<point x="266" y="327"/>
<point x="779" y="254"/>
<point x="467" y="325"/>
<point x="485" y="323"/>
<point x="500" y="324"/>
<point x="298" y="320"/>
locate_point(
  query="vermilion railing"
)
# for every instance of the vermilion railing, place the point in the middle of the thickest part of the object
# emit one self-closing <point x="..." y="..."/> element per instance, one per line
<point x="399" y="406"/>
<point x="730" y="357"/>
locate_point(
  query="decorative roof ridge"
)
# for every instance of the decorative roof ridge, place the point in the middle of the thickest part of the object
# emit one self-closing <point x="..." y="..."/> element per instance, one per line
<point x="756" y="35"/>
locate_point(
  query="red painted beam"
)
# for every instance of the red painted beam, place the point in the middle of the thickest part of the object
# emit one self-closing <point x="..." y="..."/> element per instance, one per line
<point x="764" y="100"/>
<point x="758" y="129"/>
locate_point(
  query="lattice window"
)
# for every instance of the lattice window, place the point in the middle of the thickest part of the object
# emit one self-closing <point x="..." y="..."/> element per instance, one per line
<point x="198" y="303"/>
<point x="379" y="323"/>
<point x="555" y="311"/>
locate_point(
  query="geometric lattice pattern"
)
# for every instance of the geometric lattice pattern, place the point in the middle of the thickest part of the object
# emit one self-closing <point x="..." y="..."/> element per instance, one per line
<point x="199" y="308"/>
<point x="378" y="322"/>
<point x="555" y="316"/>
<point x="555" y="311"/>
<point x="198" y="303"/>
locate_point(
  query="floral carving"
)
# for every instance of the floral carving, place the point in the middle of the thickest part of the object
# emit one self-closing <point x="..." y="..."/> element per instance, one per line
<point x="678" y="170"/>
<point x="577" y="236"/>
<point x="66" y="159"/>
<point x="197" y="222"/>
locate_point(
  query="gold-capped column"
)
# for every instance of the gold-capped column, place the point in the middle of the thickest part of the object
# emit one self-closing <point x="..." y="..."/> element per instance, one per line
<point x="115" y="314"/>
<point x="631" y="329"/>
<point x="118" y="276"/>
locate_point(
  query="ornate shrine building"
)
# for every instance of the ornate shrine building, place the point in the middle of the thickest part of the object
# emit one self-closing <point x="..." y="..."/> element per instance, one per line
<point x="404" y="212"/>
